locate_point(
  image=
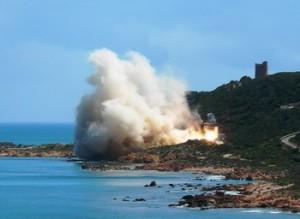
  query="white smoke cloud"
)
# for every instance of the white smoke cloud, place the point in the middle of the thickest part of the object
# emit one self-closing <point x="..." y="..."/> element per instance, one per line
<point x="132" y="107"/>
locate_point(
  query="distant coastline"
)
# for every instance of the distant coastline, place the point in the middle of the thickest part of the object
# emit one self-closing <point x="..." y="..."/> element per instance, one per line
<point x="8" y="149"/>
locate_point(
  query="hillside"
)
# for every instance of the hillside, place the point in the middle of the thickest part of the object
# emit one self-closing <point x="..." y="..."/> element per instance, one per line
<point x="253" y="111"/>
<point x="254" y="114"/>
<point x="296" y="139"/>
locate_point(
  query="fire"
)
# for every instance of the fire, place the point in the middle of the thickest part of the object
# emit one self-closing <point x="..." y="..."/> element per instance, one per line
<point x="209" y="133"/>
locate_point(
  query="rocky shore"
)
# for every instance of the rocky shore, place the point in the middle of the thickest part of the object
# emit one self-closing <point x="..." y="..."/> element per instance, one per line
<point x="48" y="150"/>
<point x="254" y="195"/>
<point x="261" y="189"/>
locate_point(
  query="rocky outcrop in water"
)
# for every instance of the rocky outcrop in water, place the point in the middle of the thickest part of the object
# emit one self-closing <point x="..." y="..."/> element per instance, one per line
<point x="152" y="184"/>
<point x="256" y="195"/>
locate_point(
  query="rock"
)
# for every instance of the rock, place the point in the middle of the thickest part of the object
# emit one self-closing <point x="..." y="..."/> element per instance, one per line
<point x="227" y="155"/>
<point x="220" y="193"/>
<point x="139" y="200"/>
<point x="188" y="185"/>
<point x="257" y="195"/>
<point x="249" y="178"/>
<point x="199" y="178"/>
<point x="211" y="201"/>
<point x="171" y="185"/>
<point x="150" y="158"/>
<point x="170" y="156"/>
<point x="208" y="188"/>
<point x="153" y="184"/>
<point x="187" y="197"/>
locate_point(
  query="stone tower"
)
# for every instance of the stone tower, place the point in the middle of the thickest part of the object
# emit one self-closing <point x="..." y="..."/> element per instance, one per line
<point x="261" y="70"/>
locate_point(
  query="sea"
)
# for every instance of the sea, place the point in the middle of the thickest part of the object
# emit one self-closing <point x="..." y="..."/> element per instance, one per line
<point x="37" y="133"/>
<point x="56" y="188"/>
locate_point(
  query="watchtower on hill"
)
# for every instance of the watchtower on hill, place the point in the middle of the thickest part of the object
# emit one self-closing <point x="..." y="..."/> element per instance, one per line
<point x="261" y="70"/>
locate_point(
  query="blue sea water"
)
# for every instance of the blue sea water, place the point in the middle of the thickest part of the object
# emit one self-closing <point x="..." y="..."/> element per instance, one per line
<point x="36" y="133"/>
<point x="53" y="188"/>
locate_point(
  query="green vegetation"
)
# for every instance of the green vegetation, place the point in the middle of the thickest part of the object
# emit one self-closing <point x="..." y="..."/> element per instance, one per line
<point x="54" y="147"/>
<point x="46" y="150"/>
<point x="249" y="112"/>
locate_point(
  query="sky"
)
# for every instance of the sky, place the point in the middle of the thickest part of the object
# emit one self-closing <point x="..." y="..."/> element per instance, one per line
<point x="44" y="45"/>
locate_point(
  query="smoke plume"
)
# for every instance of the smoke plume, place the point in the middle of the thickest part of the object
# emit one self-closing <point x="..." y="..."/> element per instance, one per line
<point x="132" y="107"/>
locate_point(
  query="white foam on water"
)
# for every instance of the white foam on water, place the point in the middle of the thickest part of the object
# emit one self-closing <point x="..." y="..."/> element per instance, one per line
<point x="261" y="211"/>
<point x="215" y="177"/>
<point x="232" y="193"/>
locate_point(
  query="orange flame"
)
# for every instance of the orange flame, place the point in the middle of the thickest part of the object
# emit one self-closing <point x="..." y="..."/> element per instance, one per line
<point x="210" y="134"/>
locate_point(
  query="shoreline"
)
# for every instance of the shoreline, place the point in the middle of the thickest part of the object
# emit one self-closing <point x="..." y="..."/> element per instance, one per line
<point x="257" y="191"/>
<point x="260" y="189"/>
<point x="46" y="150"/>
